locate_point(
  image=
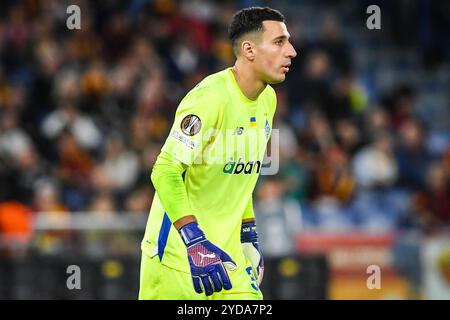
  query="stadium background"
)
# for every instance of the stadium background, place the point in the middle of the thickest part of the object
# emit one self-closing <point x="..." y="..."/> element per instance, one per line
<point x="364" y="144"/>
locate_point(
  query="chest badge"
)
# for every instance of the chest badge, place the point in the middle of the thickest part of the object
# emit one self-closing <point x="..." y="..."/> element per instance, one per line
<point x="239" y="131"/>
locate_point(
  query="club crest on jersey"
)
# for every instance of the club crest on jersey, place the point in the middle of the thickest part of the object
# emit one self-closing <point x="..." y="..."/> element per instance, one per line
<point x="239" y="131"/>
<point x="191" y="125"/>
<point x="267" y="129"/>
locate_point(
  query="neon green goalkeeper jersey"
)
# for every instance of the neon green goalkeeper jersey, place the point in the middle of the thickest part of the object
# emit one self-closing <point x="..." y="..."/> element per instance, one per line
<point x="220" y="136"/>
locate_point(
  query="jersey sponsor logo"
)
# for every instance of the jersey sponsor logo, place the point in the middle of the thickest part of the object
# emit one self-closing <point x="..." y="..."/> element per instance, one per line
<point x="191" y="125"/>
<point x="239" y="167"/>
<point x="184" y="140"/>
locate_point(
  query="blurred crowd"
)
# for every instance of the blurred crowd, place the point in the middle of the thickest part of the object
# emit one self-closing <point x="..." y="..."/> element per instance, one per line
<point x="84" y="113"/>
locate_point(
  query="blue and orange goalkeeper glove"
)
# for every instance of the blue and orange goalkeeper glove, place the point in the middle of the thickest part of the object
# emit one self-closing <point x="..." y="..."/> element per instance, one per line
<point x="207" y="261"/>
<point x="250" y="247"/>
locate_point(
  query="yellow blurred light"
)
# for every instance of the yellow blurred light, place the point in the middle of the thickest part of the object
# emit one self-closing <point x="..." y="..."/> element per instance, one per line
<point x="112" y="269"/>
<point x="288" y="267"/>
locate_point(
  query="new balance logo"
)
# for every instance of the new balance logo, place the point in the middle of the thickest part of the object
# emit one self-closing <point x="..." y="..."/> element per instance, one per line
<point x="208" y="255"/>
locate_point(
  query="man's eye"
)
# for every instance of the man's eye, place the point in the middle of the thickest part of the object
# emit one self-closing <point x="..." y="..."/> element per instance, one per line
<point x="279" y="42"/>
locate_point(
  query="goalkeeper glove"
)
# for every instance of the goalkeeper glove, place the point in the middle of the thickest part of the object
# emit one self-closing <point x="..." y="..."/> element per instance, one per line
<point x="207" y="262"/>
<point x="250" y="247"/>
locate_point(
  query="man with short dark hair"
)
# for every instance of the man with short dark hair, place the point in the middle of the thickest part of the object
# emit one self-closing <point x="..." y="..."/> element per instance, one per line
<point x="201" y="240"/>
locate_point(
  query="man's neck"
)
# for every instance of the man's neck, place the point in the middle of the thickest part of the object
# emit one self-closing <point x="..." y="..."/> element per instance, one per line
<point x="249" y="84"/>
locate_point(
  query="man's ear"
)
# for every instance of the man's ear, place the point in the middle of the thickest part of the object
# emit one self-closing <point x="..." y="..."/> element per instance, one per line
<point x="248" y="50"/>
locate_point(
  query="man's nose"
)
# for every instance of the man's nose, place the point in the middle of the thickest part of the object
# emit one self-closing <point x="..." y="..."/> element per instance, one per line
<point x="291" y="52"/>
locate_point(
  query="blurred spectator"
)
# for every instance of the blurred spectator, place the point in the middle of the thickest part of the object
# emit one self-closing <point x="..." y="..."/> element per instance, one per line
<point x="20" y="164"/>
<point x="74" y="170"/>
<point x="432" y="204"/>
<point x="116" y="36"/>
<point x="294" y="176"/>
<point x="185" y="55"/>
<point x="314" y="91"/>
<point x="349" y="97"/>
<point x="23" y="173"/>
<point x="317" y="136"/>
<point x="375" y="166"/>
<point x="119" y="168"/>
<point x="152" y="104"/>
<point x="446" y="161"/>
<point x="103" y="203"/>
<point x="412" y="156"/>
<point x="75" y="163"/>
<point x="377" y="120"/>
<point x="287" y="139"/>
<point x="67" y="117"/>
<point x="333" y="43"/>
<point x="66" y="85"/>
<point x="148" y="158"/>
<point x="333" y="177"/>
<point x="278" y="219"/>
<point x="139" y="201"/>
<point x="139" y="133"/>
<point x="47" y="198"/>
<point x="348" y="136"/>
<point x="14" y="141"/>
<point x="47" y="201"/>
<point x="94" y="84"/>
<point x="296" y="180"/>
<point x="400" y="104"/>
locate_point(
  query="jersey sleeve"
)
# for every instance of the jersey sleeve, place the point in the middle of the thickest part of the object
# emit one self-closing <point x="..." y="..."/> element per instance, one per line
<point x="197" y="117"/>
<point x="168" y="182"/>
<point x="248" y="211"/>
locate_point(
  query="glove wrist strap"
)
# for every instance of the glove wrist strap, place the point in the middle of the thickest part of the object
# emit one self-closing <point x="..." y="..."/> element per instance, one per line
<point x="248" y="232"/>
<point x="191" y="234"/>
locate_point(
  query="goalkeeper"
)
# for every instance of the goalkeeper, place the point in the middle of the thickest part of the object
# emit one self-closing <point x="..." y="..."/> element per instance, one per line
<point x="201" y="241"/>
